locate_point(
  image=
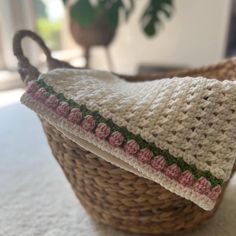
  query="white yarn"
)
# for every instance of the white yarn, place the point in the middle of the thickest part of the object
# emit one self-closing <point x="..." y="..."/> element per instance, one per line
<point x="194" y="118"/>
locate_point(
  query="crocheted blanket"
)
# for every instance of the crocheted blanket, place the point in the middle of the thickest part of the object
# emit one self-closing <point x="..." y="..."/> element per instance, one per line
<point x="178" y="132"/>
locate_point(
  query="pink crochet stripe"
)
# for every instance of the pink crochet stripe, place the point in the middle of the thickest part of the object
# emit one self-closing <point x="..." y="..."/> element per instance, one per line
<point x="130" y="147"/>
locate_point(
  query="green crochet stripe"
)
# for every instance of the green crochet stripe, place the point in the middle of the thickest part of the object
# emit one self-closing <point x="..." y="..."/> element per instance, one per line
<point x="128" y="135"/>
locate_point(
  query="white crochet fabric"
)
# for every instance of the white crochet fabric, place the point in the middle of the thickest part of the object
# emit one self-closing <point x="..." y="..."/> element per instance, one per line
<point x="193" y="118"/>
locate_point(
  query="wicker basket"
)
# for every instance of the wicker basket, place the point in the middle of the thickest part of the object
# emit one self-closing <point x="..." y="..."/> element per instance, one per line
<point x="112" y="195"/>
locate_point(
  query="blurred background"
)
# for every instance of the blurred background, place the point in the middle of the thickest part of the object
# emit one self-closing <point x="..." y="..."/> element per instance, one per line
<point x="123" y="36"/>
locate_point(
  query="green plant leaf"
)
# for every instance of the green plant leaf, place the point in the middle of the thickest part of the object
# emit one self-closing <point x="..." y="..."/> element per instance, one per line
<point x="113" y="13"/>
<point x="166" y="13"/>
<point x="150" y="29"/>
<point x="83" y="12"/>
<point x="113" y="10"/>
<point x="152" y="17"/>
<point x="151" y="20"/>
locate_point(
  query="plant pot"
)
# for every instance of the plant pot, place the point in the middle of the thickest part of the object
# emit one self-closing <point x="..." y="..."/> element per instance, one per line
<point x="98" y="34"/>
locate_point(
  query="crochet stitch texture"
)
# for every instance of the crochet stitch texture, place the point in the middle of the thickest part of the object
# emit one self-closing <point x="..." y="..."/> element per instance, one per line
<point x="183" y="128"/>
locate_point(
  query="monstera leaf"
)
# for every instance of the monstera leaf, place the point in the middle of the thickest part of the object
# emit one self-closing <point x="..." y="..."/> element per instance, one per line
<point x="152" y="17"/>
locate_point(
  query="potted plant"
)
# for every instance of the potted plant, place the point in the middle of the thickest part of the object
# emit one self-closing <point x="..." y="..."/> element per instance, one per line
<point x="94" y="23"/>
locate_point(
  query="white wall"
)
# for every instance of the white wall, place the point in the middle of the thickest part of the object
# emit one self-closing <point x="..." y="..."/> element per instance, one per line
<point x="195" y="35"/>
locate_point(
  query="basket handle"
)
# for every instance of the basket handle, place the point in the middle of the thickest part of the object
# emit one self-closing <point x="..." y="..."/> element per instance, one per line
<point x="27" y="71"/>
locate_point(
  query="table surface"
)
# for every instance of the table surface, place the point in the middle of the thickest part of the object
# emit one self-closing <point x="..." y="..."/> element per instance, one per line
<point x="36" y="199"/>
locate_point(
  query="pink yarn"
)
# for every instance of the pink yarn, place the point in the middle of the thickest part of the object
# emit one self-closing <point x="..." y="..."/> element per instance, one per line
<point x="75" y="116"/>
<point x="102" y="131"/>
<point x="173" y="171"/>
<point x="215" y="192"/>
<point x="63" y="109"/>
<point x="158" y="163"/>
<point x="131" y="147"/>
<point x="52" y="102"/>
<point x="116" y="139"/>
<point x="144" y="155"/>
<point x="186" y="178"/>
<point x="41" y="95"/>
<point x="88" y="123"/>
<point x="32" y="87"/>
<point x="202" y="186"/>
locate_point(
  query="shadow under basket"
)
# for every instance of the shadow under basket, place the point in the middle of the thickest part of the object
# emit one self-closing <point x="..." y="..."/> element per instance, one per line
<point x="110" y="194"/>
